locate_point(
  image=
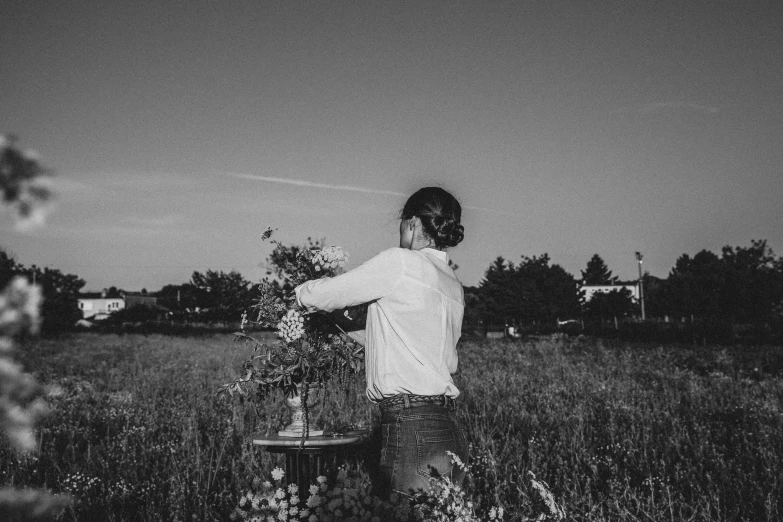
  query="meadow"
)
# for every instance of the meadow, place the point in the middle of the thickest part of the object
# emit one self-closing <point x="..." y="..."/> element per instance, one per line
<point x="619" y="431"/>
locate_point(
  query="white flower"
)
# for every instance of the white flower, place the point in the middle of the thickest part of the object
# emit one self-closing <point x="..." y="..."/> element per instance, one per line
<point x="278" y="474"/>
<point x="329" y="258"/>
<point x="291" y="326"/>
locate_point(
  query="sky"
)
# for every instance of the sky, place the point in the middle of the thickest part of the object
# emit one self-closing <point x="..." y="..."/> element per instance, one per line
<point x="178" y="131"/>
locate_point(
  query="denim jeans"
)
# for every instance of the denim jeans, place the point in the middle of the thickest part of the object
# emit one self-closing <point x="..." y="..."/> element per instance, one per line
<point x="414" y="441"/>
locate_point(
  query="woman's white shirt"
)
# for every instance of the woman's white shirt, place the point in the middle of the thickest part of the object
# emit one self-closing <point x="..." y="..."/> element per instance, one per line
<point x="413" y="322"/>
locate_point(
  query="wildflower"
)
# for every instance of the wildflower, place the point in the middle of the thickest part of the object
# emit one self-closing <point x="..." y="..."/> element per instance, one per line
<point x="329" y="258"/>
<point x="291" y="326"/>
<point x="244" y="321"/>
<point x="546" y="496"/>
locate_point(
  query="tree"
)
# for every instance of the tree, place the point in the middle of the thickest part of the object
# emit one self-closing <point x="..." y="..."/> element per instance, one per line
<point x="533" y="291"/>
<point x="695" y="284"/>
<point x="8" y="269"/>
<point x="496" y="300"/>
<point x="224" y="294"/>
<point x="597" y="273"/>
<point x="752" y="285"/>
<point x="744" y="285"/>
<point x="656" y="296"/>
<point x="617" y="303"/>
<point x="178" y="297"/>
<point x="551" y="291"/>
<point x="60" y="307"/>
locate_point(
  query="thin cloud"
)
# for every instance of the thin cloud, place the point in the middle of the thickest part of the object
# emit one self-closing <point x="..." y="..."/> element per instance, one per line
<point x="655" y="107"/>
<point x="349" y="188"/>
<point x="312" y="184"/>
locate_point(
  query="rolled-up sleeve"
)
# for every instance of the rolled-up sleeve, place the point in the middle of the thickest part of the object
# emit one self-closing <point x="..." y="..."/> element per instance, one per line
<point x="371" y="280"/>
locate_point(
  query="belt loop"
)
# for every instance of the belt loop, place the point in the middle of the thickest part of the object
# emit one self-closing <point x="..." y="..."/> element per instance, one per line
<point x="445" y="401"/>
<point x="407" y="401"/>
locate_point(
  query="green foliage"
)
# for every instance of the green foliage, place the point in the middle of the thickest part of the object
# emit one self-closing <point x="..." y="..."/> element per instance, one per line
<point x="743" y="285"/>
<point x="619" y="433"/>
<point x="617" y="303"/>
<point x="60" y="307"/>
<point x="284" y="263"/>
<point x="311" y="349"/>
<point x="532" y="291"/>
<point x="223" y="295"/>
<point x="597" y="273"/>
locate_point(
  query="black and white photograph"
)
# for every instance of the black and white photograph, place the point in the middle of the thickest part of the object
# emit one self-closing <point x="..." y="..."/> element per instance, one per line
<point x="378" y="260"/>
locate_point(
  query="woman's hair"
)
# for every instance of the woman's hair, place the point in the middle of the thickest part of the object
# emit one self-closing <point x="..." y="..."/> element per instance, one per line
<point x="440" y="214"/>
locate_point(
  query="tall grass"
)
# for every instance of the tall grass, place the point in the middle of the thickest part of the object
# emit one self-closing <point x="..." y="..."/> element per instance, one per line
<point x="619" y="432"/>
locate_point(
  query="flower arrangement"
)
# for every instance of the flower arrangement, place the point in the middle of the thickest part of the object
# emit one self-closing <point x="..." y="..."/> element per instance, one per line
<point x="348" y="496"/>
<point x="311" y="349"/>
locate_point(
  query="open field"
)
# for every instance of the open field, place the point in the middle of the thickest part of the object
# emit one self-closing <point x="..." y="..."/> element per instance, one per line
<point x="619" y="432"/>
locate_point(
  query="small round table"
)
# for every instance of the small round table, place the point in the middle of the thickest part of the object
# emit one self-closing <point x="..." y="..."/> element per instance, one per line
<point x="305" y="463"/>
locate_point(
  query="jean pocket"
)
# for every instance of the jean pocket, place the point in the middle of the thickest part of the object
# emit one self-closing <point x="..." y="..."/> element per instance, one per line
<point x="431" y="447"/>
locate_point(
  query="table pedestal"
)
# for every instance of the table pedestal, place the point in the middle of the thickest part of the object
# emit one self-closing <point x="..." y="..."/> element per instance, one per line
<point x="319" y="455"/>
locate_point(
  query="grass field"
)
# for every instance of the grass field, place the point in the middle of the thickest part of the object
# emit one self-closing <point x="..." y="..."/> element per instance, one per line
<point x="619" y="432"/>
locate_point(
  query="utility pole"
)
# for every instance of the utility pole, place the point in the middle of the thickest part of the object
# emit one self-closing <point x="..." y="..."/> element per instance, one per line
<point x="639" y="257"/>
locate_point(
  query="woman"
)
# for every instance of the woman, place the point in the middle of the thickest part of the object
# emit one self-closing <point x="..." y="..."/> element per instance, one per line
<point x="413" y="324"/>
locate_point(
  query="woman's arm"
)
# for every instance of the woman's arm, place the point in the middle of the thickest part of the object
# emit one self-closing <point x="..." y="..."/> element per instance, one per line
<point x="371" y="280"/>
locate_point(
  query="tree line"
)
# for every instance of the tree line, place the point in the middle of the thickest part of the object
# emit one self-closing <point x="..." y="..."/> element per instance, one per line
<point x="739" y="286"/>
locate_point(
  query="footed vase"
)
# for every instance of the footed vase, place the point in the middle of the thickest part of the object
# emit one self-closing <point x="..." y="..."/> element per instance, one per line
<point x="297" y="426"/>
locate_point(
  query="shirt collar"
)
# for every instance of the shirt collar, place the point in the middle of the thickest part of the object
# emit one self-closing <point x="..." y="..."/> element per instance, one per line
<point x="440" y="254"/>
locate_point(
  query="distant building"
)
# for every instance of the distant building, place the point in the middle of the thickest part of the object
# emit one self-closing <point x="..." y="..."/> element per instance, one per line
<point x="591" y="290"/>
<point x="97" y="306"/>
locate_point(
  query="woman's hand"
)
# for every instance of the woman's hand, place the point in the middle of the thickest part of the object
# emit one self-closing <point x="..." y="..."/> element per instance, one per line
<point x="360" y="336"/>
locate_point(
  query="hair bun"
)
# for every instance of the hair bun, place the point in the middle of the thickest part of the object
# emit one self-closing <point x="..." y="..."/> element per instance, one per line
<point x="440" y="215"/>
<point x="450" y="233"/>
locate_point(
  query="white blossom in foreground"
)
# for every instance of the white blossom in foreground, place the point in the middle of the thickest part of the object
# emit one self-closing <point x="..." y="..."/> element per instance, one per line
<point x="291" y="326"/>
<point x="329" y="258"/>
